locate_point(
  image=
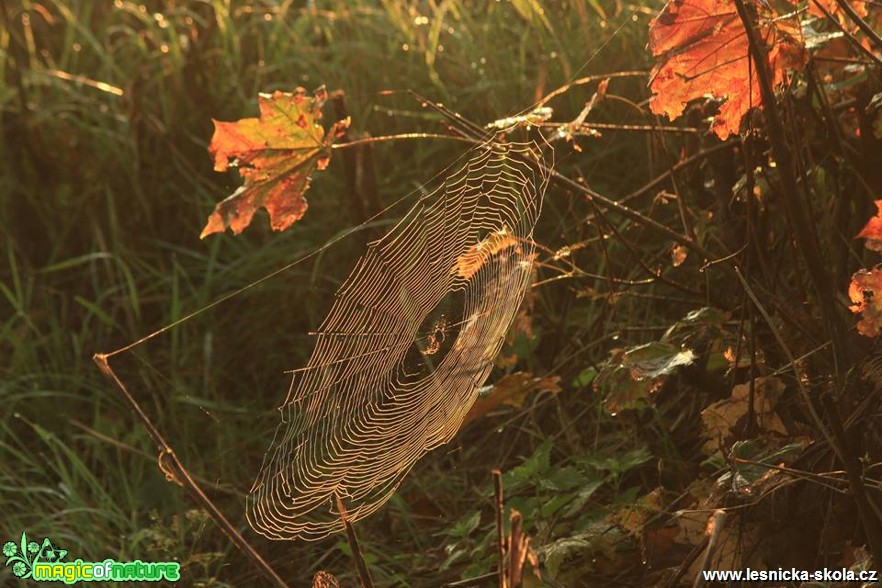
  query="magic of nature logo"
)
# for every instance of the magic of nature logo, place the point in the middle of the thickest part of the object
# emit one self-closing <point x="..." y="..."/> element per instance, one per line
<point x="43" y="562"/>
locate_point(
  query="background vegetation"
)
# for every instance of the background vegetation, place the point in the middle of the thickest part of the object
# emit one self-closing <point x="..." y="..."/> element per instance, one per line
<point x="107" y="110"/>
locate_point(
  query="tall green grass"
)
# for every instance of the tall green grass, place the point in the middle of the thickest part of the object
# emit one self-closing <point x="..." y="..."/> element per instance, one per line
<point x="104" y="185"/>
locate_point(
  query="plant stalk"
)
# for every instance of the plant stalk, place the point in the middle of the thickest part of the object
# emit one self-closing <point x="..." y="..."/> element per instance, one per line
<point x="821" y="280"/>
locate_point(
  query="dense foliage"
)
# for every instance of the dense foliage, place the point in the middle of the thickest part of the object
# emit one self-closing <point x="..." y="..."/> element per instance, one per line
<point x="692" y="380"/>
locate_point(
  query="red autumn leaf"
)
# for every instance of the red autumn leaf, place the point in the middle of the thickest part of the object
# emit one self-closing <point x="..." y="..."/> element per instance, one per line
<point x="703" y="50"/>
<point x="865" y="291"/>
<point x="276" y="155"/>
<point x="832" y="7"/>
<point x="872" y="232"/>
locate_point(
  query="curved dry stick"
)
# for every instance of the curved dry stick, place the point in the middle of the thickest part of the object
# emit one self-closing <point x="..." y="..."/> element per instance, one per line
<point x="175" y="471"/>
<point x="586" y="80"/>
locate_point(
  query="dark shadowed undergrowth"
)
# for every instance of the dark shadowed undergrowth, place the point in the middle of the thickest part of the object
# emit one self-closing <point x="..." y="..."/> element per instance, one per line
<point x="616" y="464"/>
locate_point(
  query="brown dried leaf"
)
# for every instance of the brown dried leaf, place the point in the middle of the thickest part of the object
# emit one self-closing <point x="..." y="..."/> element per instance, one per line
<point x="721" y="417"/>
<point x="512" y="390"/>
<point x="865" y="291"/>
<point x="678" y="255"/>
<point x="632" y="518"/>
<point x="323" y="579"/>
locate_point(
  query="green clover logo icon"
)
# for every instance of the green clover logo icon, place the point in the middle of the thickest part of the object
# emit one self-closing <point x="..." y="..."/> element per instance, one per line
<point x="21" y="557"/>
<point x="50" y="552"/>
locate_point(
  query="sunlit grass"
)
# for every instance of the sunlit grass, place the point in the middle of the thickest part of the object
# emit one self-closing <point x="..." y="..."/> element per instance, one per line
<point x="106" y="184"/>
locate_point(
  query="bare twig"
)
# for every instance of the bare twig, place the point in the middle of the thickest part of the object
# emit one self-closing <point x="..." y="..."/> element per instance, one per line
<point x="847" y="34"/>
<point x="363" y="575"/>
<point x="587" y="80"/>
<point x="135" y="451"/>
<point x="519" y="546"/>
<point x="655" y="274"/>
<point x="175" y="471"/>
<point x="822" y="282"/>
<point x="717" y="522"/>
<point x="470" y="582"/>
<point x="835" y="438"/>
<point x="402" y="137"/>
<point x="587" y="127"/>
<point x="474" y="131"/>
<point x="793" y="201"/>
<point x="872" y="35"/>
<point x="500" y="538"/>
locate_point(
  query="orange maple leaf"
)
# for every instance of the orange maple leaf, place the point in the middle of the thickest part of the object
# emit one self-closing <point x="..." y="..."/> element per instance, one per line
<point x="703" y="50"/>
<point x="872" y="232"/>
<point x="276" y="155"/>
<point x="865" y="291"/>
<point x="832" y="7"/>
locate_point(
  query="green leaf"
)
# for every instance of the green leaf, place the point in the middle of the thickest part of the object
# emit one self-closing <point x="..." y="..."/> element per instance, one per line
<point x="619" y="464"/>
<point x="743" y="474"/>
<point x="562" y="479"/>
<point x="600" y="537"/>
<point x="464" y="526"/>
<point x="551" y="506"/>
<point x="585" y="377"/>
<point x="533" y="468"/>
<point x="583" y="496"/>
<point x="656" y="359"/>
<point x="555" y="553"/>
<point x="629" y="377"/>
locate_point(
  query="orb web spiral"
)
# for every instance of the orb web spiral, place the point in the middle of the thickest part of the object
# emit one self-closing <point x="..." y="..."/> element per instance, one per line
<point x="410" y="338"/>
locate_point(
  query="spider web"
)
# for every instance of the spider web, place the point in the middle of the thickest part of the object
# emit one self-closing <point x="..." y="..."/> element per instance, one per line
<point x="410" y="338"/>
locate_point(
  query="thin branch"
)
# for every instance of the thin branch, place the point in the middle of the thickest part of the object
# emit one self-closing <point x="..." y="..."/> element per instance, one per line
<point x="175" y="471"/>
<point x="475" y="132"/>
<point x="500" y="540"/>
<point x="135" y="451"/>
<point x="588" y="80"/>
<point x="851" y="38"/>
<point x="836" y="438"/>
<point x="718" y="522"/>
<point x="793" y="200"/>
<point x="403" y="137"/>
<point x="861" y="23"/>
<point x="657" y="275"/>
<point x="616" y="127"/>
<point x="471" y="582"/>
<point x="363" y="575"/>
